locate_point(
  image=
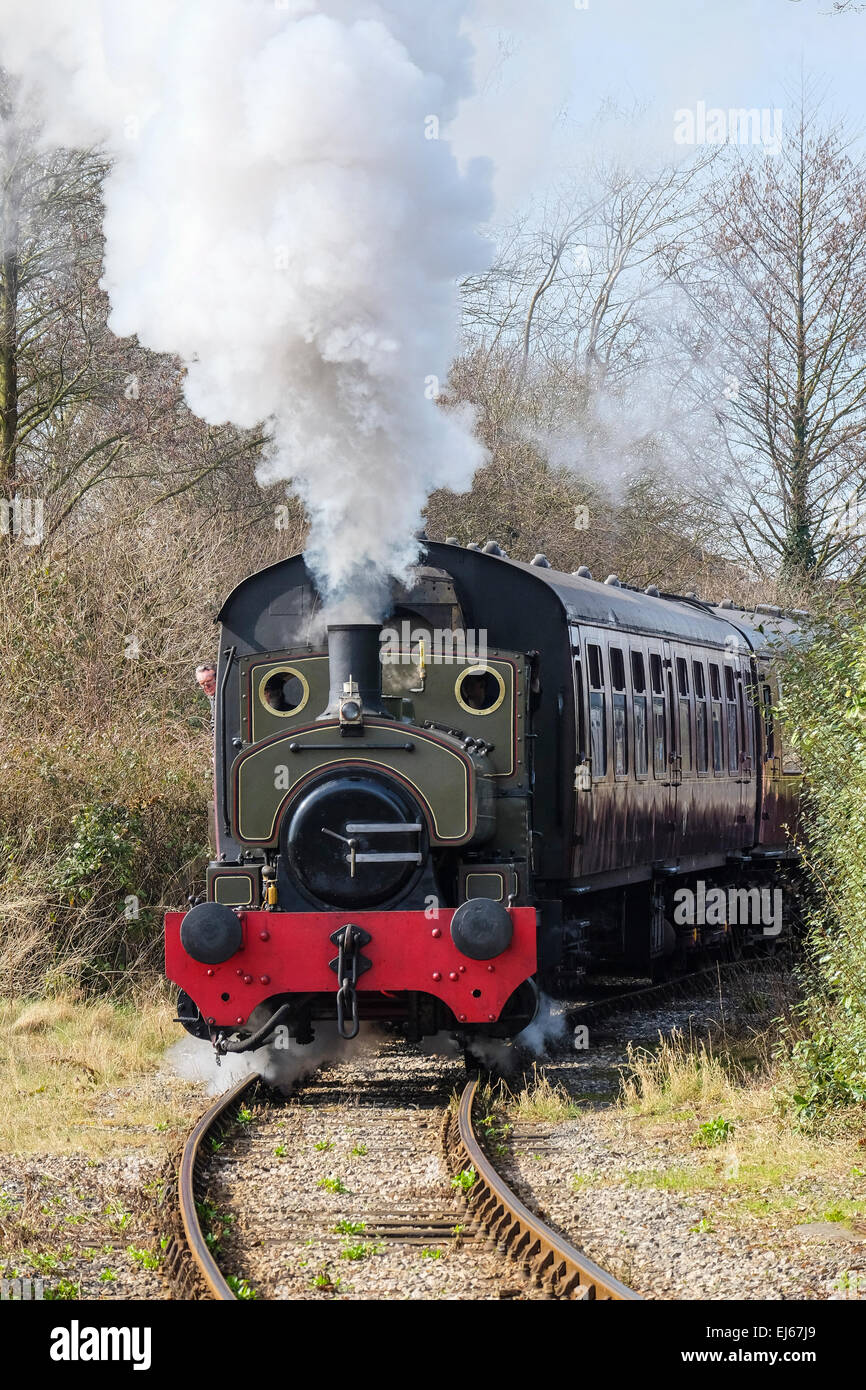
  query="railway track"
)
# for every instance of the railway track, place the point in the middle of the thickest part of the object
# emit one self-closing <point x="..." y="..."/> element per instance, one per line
<point x="189" y="1264"/>
<point x="496" y="1220"/>
<point x="698" y="982"/>
<point x="542" y="1253"/>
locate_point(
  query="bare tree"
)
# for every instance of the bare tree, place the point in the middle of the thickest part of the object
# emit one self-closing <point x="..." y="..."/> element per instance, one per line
<point x="572" y="277"/>
<point x="565" y="363"/>
<point x="781" y="293"/>
<point x="50" y="249"/>
<point x="81" y="409"/>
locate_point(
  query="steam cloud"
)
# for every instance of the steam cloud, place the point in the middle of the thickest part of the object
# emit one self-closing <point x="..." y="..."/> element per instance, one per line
<point x="282" y="1068"/>
<point x="281" y="214"/>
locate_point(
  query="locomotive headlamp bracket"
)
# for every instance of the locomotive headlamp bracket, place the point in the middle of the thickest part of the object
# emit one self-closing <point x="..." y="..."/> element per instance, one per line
<point x="351" y="710"/>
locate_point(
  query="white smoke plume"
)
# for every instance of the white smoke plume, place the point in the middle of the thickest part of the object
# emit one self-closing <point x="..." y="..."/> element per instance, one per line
<point x="286" y="213"/>
<point x="281" y="1067"/>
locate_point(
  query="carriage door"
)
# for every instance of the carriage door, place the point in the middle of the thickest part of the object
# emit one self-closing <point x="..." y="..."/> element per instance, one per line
<point x="583" y="758"/>
<point x="737" y="758"/>
<point x="746" y="772"/>
<point x="663" y="839"/>
<point x="594" y="848"/>
<point x="770" y="830"/>
<point x="675" y="752"/>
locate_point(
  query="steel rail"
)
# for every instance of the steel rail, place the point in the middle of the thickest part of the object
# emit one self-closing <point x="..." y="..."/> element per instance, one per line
<point x="669" y="991"/>
<point x="555" y="1264"/>
<point x="189" y="1262"/>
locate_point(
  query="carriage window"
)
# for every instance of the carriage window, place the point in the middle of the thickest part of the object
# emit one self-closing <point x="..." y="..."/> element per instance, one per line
<point x="617" y="669"/>
<point x="747" y="731"/>
<point x="641" y="766"/>
<point x="656" y="674"/>
<point x="581" y="717"/>
<point x="620" y="735"/>
<point x="685" y="736"/>
<point x="716" y="718"/>
<point x="718" y="746"/>
<point x="733" y="759"/>
<point x="595" y="679"/>
<point x="672" y="717"/>
<point x="733" y="731"/>
<point x="700" y="717"/>
<point x="659" y="732"/>
<point x="641" y="732"/>
<point x="685" y="714"/>
<point x="618" y="706"/>
<point x="597" y="717"/>
<point x="660" y="756"/>
<point x="638" y="678"/>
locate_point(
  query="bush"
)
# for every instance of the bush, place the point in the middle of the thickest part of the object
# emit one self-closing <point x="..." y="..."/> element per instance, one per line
<point x="824" y="705"/>
<point x="104" y="849"/>
<point x="105" y="765"/>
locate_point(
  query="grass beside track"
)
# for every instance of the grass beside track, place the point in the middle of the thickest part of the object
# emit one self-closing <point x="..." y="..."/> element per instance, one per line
<point x="714" y="1117"/>
<point x="89" y="1077"/>
<point x="720" y="1112"/>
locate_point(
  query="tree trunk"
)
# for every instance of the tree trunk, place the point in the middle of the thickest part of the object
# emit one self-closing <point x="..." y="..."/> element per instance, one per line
<point x="10" y="274"/>
<point x="8" y="365"/>
<point x="798" y="559"/>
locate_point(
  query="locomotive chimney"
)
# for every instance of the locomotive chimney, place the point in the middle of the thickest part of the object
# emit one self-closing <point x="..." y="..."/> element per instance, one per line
<point x="353" y="656"/>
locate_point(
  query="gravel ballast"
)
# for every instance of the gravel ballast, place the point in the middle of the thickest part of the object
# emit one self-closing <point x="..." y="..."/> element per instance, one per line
<point x="373" y="1129"/>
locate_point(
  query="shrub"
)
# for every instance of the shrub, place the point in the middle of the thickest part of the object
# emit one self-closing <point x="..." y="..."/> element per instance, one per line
<point x="824" y="705"/>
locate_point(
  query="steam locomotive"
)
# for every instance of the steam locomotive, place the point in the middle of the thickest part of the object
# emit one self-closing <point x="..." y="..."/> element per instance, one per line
<point x="510" y="781"/>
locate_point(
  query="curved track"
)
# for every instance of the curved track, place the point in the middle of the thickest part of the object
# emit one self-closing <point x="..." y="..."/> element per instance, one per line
<point x="544" y="1256"/>
<point x="191" y="1268"/>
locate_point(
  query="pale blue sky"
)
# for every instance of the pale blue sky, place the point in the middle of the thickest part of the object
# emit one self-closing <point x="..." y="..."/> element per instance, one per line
<point x="729" y="53"/>
<point x="640" y="61"/>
